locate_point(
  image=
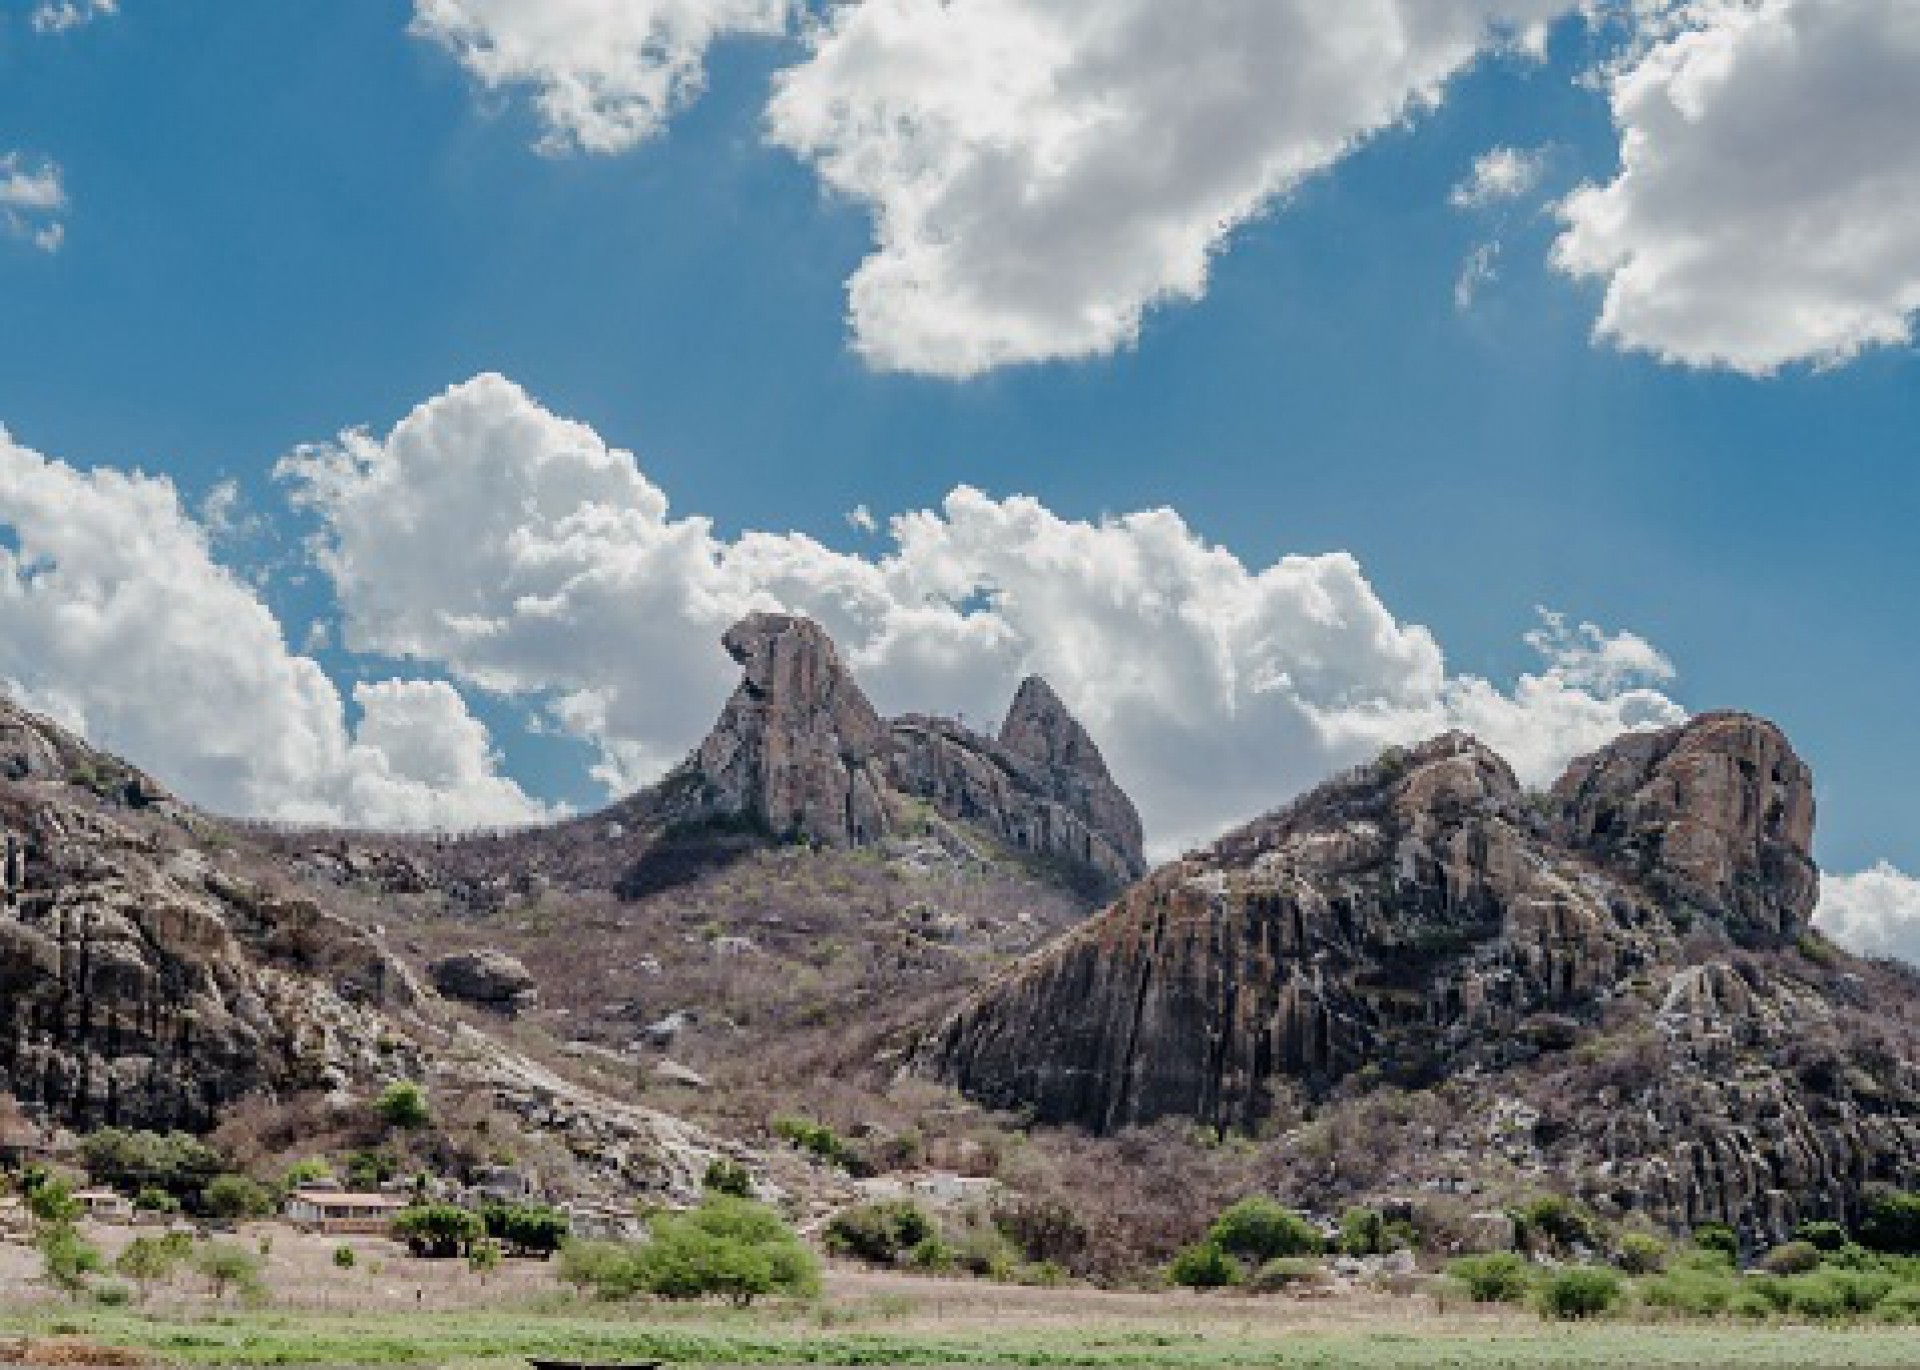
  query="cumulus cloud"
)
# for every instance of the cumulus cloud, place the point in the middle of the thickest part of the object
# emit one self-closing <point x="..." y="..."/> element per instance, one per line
<point x="1875" y="912"/>
<point x="33" y="201"/>
<point x="1502" y="173"/>
<point x="517" y="551"/>
<point x="1767" y="205"/>
<point x="116" y="620"/>
<point x="606" y="74"/>
<point x="1041" y="173"/>
<point x="57" y="16"/>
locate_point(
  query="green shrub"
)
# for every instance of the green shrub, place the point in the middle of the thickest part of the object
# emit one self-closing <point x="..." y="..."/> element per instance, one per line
<point x="155" y="1200"/>
<point x="727" y="1248"/>
<point x="604" y="1267"/>
<point x="483" y="1258"/>
<point x="1288" y="1272"/>
<point x="176" y="1162"/>
<point x="1901" y="1305"/>
<point x="403" y="1105"/>
<point x="1363" y="1232"/>
<point x="1498" y="1277"/>
<point x="981" y="1249"/>
<point x="933" y="1255"/>
<point x="880" y="1233"/>
<point x="1578" y="1291"/>
<point x="1717" y="1237"/>
<point x="50" y="1200"/>
<point x="112" y="1294"/>
<point x="1791" y="1258"/>
<point x="344" y="1257"/>
<point x="235" y="1198"/>
<point x="1822" y="1234"/>
<point x="1641" y="1253"/>
<point x="1204" y="1265"/>
<point x="818" y="1140"/>
<point x="313" y="1170"/>
<point x="1892" y="1224"/>
<point x="149" y="1260"/>
<point x="1557" y="1223"/>
<point x="1258" y="1229"/>
<point x="439" y="1231"/>
<point x="1699" y="1291"/>
<point x="729" y="1177"/>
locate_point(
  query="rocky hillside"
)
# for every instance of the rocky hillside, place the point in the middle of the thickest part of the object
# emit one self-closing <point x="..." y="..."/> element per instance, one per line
<point x="1623" y="966"/>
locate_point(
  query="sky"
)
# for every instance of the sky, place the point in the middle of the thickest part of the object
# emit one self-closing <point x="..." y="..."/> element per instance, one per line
<point x="399" y="399"/>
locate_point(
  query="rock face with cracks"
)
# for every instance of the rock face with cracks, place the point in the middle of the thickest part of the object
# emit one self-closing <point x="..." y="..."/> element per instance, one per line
<point x="1424" y="921"/>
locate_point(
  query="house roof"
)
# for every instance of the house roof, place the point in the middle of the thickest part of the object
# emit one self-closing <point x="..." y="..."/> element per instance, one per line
<point x="333" y="1198"/>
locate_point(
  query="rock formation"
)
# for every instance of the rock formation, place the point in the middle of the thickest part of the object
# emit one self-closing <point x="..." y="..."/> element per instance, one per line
<point x="1424" y="920"/>
<point x="491" y="979"/>
<point x="799" y="750"/>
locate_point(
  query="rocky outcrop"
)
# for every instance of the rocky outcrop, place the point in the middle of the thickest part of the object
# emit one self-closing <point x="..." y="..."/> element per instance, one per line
<point x="488" y="978"/>
<point x="800" y="751"/>
<point x="1423" y="920"/>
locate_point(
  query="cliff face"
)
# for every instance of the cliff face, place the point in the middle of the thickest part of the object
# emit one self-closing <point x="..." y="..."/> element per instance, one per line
<point x="1425" y="920"/>
<point x="800" y="750"/>
<point x="141" y="983"/>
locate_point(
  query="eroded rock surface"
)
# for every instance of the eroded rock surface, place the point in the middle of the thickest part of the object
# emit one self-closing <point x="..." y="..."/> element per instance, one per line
<point x="1425" y="921"/>
<point x="491" y="979"/>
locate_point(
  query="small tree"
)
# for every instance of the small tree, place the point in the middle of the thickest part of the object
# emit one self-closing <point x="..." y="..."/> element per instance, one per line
<point x="403" y="1105"/>
<point x="148" y="1261"/>
<point x="483" y="1258"/>
<point x="1500" y="1277"/>
<point x="527" y="1229"/>
<point x="1579" y="1291"/>
<point x="344" y="1257"/>
<point x="50" y="1200"/>
<point x="313" y="1170"/>
<point x="67" y="1260"/>
<point x="235" y="1198"/>
<point x="228" y="1265"/>
<point x="439" y="1231"/>
<point x="1258" y="1229"/>
<point x="728" y="1177"/>
<point x="1363" y="1232"/>
<point x="1892" y="1224"/>
<point x="727" y="1248"/>
<point x="880" y="1233"/>
<point x="1641" y="1253"/>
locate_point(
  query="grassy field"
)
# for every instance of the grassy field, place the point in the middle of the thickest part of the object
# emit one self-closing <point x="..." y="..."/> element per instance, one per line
<point x="774" y="1336"/>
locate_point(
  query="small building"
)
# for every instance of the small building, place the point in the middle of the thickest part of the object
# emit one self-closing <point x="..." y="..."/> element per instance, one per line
<point x="104" y="1206"/>
<point x="339" y="1213"/>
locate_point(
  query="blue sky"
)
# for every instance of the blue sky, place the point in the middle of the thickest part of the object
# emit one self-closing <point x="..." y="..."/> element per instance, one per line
<point x="281" y="220"/>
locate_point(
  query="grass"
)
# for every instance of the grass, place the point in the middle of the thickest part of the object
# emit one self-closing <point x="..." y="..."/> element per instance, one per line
<point x="792" y="1337"/>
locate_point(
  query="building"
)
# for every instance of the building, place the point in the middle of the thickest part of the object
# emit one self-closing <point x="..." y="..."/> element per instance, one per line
<point x="104" y="1206"/>
<point x="337" y="1212"/>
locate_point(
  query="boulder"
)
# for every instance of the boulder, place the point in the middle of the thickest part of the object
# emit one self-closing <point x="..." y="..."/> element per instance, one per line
<point x="491" y="979"/>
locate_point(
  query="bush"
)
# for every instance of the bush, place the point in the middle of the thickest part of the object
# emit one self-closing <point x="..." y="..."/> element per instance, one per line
<point x="1717" y="1237"/>
<point x="880" y="1233"/>
<point x="439" y="1231"/>
<point x="605" y="1267"/>
<point x="727" y="1248"/>
<point x="153" y="1200"/>
<point x="1258" y="1229"/>
<point x="235" y="1198"/>
<point x="1557" y="1223"/>
<point x="1821" y="1234"/>
<point x="1580" y="1291"/>
<point x="344" y="1257"/>
<point x="51" y="1201"/>
<point x="403" y="1104"/>
<point x="313" y="1170"/>
<point x="818" y="1140"/>
<point x="1641" y="1253"/>
<point x="1791" y="1258"/>
<point x="1204" y="1265"/>
<point x="1045" y="1230"/>
<point x="1697" y="1290"/>
<point x="1499" y="1277"/>
<point x="1363" y="1232"/>
<point x="113" y="1294"/>
<point x="483" y="1258"/>
<point x="1892" y="1224"/>
<point x="227" y="1265"/>
<point x="1287" y="1272"/>
<point x="728" y="1177"/>
<point x="1901" y="1305"/>
<point x="172" y="1161"/>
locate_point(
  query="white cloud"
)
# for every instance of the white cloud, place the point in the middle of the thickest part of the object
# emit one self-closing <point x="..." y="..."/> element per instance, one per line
<point x="1481" y="268"/>
<point x="1503" y="173"/>
<point x="1875" y="912"/>
<point x="57" y="16"/>
<point x="607" y="74"/>
<point x="1767" y="207"/>
<point x="33" y="199"/>
<point x="520" y="553"/>
<point x="116" y="620"/>
<point x="1042" y="172"/>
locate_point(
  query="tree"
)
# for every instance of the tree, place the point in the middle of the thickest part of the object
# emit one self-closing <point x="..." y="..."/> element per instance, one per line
<point x="176" y="1162"/>
<point x="1579" y="1291"/>
<point x="228" y="1265"/>
<point x="727" y="1248"/>
<point x="148" y="1261"/>
<point x="439" y="1231"/>
<point x="66" y="1259"/>
<point x="403" y="1105"/>
<point x="484" y="1258"/>
<point x="1258" y="1229"/>
<point x="312" y="1170"/>
<point x="1892" y="1224"/>
<point x="880" y="1232"/>
<point x="1498" y="1277"/>
<point x="235" y="1198"/>
<point x="50" y="1200"/>
<point x="527" y="1229"/>
<point x="1363" y="1232"/>
<point x="344" y="1257"/>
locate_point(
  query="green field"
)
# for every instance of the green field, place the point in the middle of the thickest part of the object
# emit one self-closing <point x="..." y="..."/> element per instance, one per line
<point x="772" y="1337"/>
